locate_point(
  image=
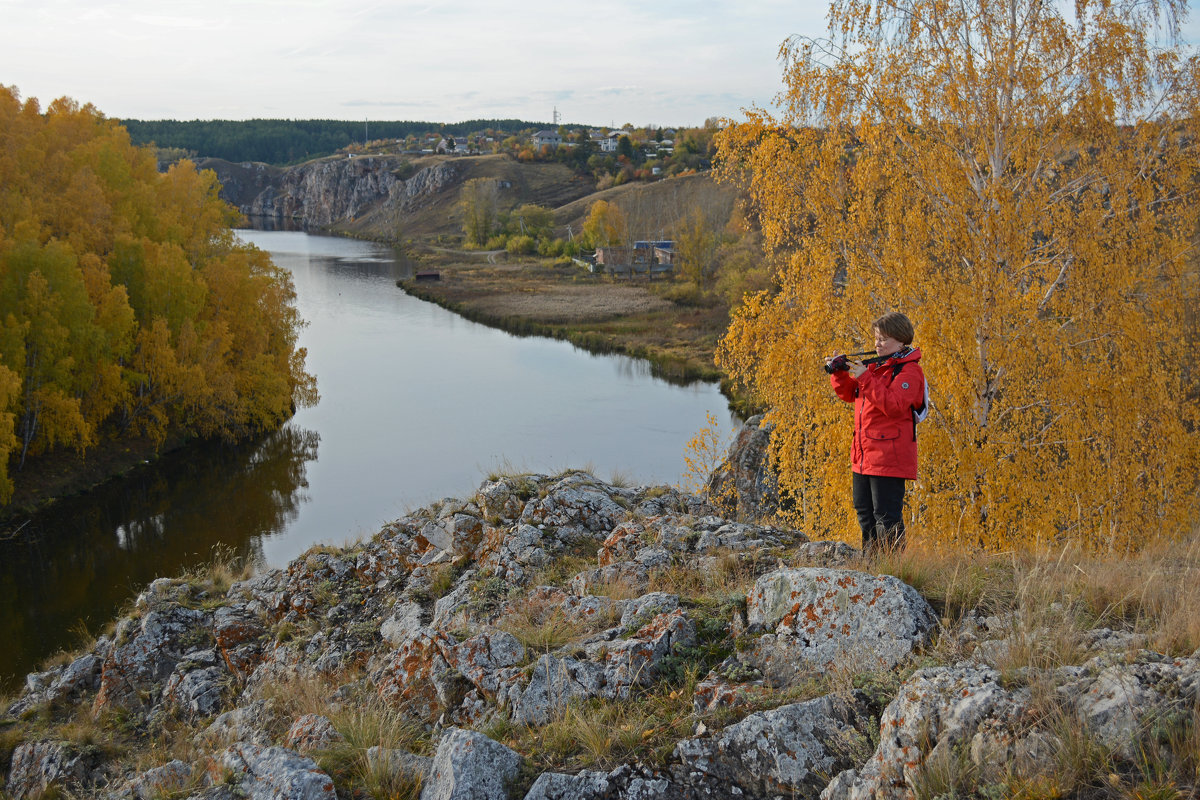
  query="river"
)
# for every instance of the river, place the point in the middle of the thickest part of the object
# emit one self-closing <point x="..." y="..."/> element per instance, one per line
<point x="416" y="404"/>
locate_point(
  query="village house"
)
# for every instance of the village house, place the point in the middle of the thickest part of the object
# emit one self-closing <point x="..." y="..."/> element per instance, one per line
<point x="641" y="259"/>
<point x="543" y="138"/>
<point x="609" y="143"/>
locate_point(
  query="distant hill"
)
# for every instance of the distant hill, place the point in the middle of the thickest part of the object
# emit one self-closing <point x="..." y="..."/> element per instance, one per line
<point x="283" y="141"/>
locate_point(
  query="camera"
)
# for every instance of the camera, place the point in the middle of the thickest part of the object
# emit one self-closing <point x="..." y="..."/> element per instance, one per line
<point x="842" y="362"/>
<point x="838" y="364"/>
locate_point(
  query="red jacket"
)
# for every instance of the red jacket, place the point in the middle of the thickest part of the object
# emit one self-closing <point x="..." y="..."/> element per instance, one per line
<point x="885" y="433"/>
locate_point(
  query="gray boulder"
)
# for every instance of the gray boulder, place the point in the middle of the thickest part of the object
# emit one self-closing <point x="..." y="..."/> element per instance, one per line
<point x="146" y="651"/>
<point x="276" y="773"/>
<point x="38" y="765"/>
<point x="470" y="766"/>
<point x="402" y="625"/>
<point x="822" y="618"/>
<point x="1118" y="701"/>
<point x="587" y="785"/>
<point x="553" y="684"/>
<point x="312" y="732"/>
<point x="164" y="781"/>
<point x="788" y="751"/>
<point x="936" y="708"/>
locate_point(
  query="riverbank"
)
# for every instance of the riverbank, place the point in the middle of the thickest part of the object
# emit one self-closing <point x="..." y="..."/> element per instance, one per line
<point x="597" y="313"/>
<point x="64" y="473"/>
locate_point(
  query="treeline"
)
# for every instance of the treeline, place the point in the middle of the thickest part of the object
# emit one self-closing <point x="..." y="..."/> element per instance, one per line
<point x="127" y="306"/>
<point x="282" y="141"/>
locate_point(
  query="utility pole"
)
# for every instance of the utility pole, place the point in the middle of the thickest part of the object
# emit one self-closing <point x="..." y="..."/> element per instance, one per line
<point x="366" y="138"/>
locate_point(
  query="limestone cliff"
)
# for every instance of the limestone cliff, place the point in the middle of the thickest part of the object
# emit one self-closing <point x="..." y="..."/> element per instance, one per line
<point x="383" y="196"/>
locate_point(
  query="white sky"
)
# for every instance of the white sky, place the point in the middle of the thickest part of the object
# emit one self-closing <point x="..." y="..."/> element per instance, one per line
<point x="603" y="62"/>
<point x="662" y="62"/>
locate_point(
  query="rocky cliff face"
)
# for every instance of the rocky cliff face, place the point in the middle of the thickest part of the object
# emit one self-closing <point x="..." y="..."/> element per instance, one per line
<point x="334" y="191"/>
<point x="540" y="597"/>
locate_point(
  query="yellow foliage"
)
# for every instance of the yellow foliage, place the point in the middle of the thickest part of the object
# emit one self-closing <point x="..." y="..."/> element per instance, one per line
<point x="1018" y="180"/>
<point x="606" y="225"/>
<point x="703" y="453"/>
<point x="126" y="304"/>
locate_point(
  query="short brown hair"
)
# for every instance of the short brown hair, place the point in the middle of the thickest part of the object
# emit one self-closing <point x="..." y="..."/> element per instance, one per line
<point x="896" y="326"/>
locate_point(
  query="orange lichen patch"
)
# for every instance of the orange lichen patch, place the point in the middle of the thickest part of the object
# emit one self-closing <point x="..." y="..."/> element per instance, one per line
<point x="620" y="544"/>
<point x="407" y="679"/>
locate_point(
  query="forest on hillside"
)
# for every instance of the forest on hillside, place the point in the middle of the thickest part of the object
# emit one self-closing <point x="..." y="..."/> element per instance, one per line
<point x="283" y="141"/>
<point x="127" y="306"/>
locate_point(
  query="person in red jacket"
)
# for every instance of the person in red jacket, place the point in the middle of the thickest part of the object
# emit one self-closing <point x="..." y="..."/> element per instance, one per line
<point x="887" y="395"/>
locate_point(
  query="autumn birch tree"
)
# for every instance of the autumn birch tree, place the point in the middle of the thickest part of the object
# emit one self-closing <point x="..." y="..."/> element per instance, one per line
<point x="1019" y="177"/>
<point x="127" y="306"/>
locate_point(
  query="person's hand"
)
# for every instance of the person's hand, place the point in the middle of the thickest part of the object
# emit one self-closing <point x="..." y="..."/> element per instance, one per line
<point x="857" y="369"/>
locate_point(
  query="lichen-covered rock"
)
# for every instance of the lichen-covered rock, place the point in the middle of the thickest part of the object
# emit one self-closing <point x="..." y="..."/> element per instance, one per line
<point x="553" y="684"/>
<point x="195" y="689"/>
<point x="611" y="670"/>
<point x="238" y="633"/>
<point x="576" y="506"/>
<point x="629" y="574"/>
<point x="470" y="766"/>
<point x="312" y="732"/>
<point x="642" y="610"/>
<point x="1117" y="701"/>
<point x="276" y="773"/>
<point x="407" y="676"/>
<point x="514" y="555"/>
<point x="730" y="684"/>
<point x="483" y="659"/>
<point x="502" y="500"/>
<point x="826" y="553"/>
<point x="743" y="536"/>
<point x="787" y="751"/>
<point x="145" y="652"/>
<point x="402" y="625"/>
<point x="38" y="765"/>
<point x="587" y="785"/>
<point x="167" y="780"/>
<point x="937" y="709"/>
<point x="251" y="724"/>
<point x="820" y="618"/>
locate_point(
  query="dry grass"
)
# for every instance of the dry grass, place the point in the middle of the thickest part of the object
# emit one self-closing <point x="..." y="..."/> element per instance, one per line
<point x="1046" y="599"/>
<point x="572" y="303"/>
<point x="223" y="569"/>
<point x="600" y="734"/>
<point x="544" y="627"/>
<point x="364" y="721"/>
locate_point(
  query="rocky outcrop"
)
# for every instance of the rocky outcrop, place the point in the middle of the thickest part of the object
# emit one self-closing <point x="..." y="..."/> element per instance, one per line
<point x="967" y="718"/>
<point x="541" y="598"/>
<point x="743" y="486"/>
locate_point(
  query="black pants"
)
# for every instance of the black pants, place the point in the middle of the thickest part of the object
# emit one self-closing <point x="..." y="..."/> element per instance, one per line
<point x="879" y="502"/>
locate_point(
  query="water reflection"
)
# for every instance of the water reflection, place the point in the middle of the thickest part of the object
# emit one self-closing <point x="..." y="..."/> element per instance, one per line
<point x="73" y="566"/>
